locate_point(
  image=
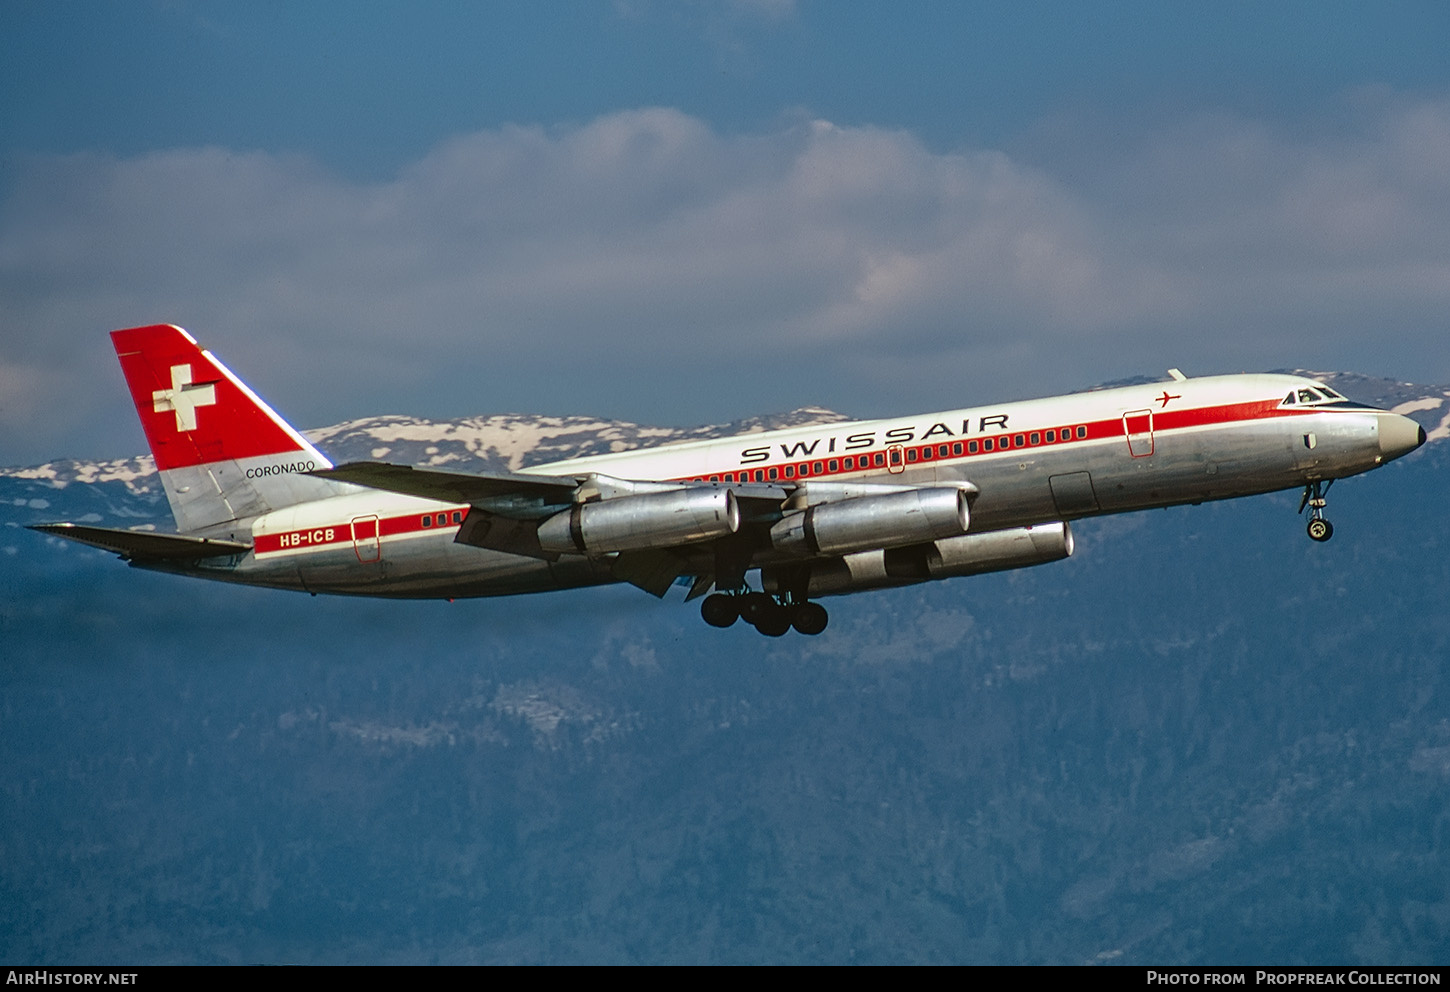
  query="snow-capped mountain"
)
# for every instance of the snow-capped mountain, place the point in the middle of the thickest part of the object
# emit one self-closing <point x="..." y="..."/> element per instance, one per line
<point x="509" y="442"/>
<point x="1429" y="406"/>
<point x="126" y="492"/>
<point x="1202" y="737"/>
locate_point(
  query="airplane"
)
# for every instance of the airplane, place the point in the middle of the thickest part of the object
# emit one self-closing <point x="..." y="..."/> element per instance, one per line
<point x="809" y="511"/>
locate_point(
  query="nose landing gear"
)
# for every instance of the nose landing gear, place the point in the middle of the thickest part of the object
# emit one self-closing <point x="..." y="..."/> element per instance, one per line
<point x="1319" y="528"/>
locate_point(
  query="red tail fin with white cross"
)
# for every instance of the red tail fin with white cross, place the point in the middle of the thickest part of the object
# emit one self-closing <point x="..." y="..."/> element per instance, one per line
<point x="224" y="455"/>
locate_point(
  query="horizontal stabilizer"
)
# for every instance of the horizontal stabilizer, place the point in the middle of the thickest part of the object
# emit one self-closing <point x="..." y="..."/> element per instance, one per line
<point x="141" y="545"/>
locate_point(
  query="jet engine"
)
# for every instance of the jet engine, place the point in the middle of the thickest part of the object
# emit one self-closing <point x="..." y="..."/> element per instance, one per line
<point x="970" y="554"/>
<point x="914" y="516"/>
<point x="647" y="520"/>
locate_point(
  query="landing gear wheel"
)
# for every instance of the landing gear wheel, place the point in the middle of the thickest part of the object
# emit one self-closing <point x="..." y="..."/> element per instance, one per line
<point x="1314" y="492"/>
<point x="810" y="618"/>
<point x="754" y="605"/>
<point x="774" y="622"/>
<point x="720" y="610"/>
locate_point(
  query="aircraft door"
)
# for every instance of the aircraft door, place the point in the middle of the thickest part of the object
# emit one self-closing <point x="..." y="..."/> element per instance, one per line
<point x="1138" y="428"/>
<point x="1073" y="494"/>
<point x="895" y="459"/>
<point x="365" y="539"/>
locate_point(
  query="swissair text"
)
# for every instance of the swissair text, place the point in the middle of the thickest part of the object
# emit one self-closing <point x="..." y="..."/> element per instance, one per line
<point x="868" y="439"/>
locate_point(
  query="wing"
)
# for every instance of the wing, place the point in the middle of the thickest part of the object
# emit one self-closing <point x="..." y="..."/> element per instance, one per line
<point x="500" y="490"/>
<point x="654" y="532"/>
<point x="453" y="487"/>
<point x="145" y="546"/>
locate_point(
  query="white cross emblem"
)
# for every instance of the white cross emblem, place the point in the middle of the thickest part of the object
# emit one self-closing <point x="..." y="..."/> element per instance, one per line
<point x="183" y="397"/>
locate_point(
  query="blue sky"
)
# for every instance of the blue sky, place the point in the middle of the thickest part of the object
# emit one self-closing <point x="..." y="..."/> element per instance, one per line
<point x="685" y="212"/>
<point x="367" y="87"/>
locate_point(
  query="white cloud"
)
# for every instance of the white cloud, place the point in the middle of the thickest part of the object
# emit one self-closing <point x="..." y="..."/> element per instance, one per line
<point x="644" y="265"/>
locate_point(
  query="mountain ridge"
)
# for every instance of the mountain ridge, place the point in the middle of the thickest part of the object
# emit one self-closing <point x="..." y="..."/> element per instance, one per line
<point x="507" y="442"/>
<point x="1201" y="738"/>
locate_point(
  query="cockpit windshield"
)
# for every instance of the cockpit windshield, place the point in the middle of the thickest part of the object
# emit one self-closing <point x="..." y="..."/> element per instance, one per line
<point x="1318" y="395"/>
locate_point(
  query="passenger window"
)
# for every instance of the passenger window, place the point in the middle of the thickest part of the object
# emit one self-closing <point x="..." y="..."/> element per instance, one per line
<point x="458" y="516"/>
<point x="1005" y="442"/>
<point x="911" y="455"/>
<point x="790" y="471"/>
<point x="1051" y="436"/>
<point x="834" y="464"/>
<point x="427" y="520"/>
<point x="1020" y="440"/>
<point x="1082" y="432"/>
<point x="957" y="448"/>
<point x="971" y="447"/>
<point x="986" y="444"/>
<point x="772" y="475"/>
<point x="880" y="459"/>
<point x="1036" y="438"/>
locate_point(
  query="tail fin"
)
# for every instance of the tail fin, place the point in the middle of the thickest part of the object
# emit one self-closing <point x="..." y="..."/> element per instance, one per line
<point x="223" y="454"/>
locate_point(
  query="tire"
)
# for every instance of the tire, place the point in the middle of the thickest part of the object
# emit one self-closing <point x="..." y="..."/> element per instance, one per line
<point x="720" y="610"/>
<point x="754" y="605"/>
<point x="774" y="622"/>
<point x="1320" y="529"/>
<point x="810" y="618"/>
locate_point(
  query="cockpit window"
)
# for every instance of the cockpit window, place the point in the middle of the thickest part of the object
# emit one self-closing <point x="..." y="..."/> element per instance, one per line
<point x="1321" y="396"/>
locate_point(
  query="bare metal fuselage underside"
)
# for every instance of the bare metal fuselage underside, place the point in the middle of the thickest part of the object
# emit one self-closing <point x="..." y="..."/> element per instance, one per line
<point x="1016" y="488"/>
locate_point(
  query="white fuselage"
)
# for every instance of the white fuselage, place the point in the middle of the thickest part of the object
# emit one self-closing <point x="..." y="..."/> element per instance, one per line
<point x="1030" y="463"/>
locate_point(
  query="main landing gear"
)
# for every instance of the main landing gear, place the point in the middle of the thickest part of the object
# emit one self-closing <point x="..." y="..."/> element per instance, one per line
<point x="771" y="615"/>
<point x="1314" y="493"/>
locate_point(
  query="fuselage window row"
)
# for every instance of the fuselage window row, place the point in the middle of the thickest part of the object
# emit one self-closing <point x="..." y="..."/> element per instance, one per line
<point x="928" y="452"/>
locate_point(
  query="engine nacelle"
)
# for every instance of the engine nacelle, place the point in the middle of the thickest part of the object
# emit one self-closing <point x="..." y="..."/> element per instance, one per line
<point x="971" y="554"/>
<point x="1000" y="550"/>
<point x="648" y="520"/>
<point x="915" y="516"/>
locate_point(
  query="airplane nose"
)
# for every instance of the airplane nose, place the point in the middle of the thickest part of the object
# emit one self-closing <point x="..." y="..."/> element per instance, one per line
<point x="1399" y="435"/>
